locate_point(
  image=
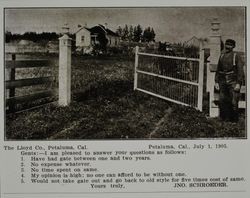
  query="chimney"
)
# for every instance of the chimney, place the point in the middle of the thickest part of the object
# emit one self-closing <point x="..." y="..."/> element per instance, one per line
<point x="65" y="29"/>
<point x="106" y="25"/>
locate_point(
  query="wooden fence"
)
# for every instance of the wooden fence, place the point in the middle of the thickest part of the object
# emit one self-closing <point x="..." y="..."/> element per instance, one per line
<point x="12" y="83"/>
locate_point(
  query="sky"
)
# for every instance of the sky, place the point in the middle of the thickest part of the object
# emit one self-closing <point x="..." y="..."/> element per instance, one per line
<point x="171" y="24"/>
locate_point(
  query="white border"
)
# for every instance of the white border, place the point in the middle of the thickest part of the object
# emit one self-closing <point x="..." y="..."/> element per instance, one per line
<point x="244" y="144"/>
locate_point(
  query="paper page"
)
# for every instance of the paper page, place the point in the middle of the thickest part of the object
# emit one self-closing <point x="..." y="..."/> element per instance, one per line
<point x="119" y="99"/>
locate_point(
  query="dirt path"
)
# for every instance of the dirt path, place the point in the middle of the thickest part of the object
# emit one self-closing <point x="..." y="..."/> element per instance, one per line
<point x="153" y="133"/>
<point x="63" y="133"/>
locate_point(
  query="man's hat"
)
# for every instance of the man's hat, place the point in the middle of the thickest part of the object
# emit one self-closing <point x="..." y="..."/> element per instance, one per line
<point x="230" y="42"/>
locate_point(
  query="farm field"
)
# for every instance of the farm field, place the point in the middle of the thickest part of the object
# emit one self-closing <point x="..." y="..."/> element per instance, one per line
<point x="105" y="106"/>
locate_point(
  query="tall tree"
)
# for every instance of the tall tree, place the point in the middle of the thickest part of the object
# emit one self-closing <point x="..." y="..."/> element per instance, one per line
<point x="125" y="33"/>
<point x="103" y="42"/>
<point x="131" y="33"/>
<point x="152" y="34"/>
<point x="137" y="33"/>
<point x="119" y="31"/>
<point x="146" y="36"/>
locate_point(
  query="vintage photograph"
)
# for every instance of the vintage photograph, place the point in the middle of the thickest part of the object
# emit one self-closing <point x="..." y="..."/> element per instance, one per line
<point x="125" y="73"/>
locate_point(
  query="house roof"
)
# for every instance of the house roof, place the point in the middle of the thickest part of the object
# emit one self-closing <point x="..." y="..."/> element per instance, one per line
<point x="99" y="29"/>
<point x="194" y="41"/>
<point x="110" y="32"/>
<point x="81" y="29"/>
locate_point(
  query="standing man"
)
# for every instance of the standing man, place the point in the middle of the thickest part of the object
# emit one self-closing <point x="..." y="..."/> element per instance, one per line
<point x="228" y="80"/>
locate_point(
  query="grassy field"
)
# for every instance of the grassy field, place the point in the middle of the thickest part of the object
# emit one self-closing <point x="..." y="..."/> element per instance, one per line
<point x="105" y="106"/>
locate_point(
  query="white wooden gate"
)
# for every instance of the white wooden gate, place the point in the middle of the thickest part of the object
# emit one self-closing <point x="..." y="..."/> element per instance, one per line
<point x="176" y="79"/>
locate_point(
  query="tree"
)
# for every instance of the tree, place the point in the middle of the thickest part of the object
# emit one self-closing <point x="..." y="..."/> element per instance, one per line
<point x="152" y="34"/>
<point x="131" y="33"/>
<point x="103" y="42"/>
<point x="119" y="31"/>
<point x="148" y="35"/>
<point x="125" y="33"/>
<point x="137" y="33"/>
<point x="32" y="36"/>
<point x="8" y="36"/>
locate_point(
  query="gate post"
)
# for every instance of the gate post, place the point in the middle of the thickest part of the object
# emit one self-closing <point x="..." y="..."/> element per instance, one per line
<point x="136" y="65"/>
<point x="11" y="75"/>
<point x="64" y="70"/>
<point x="215" y="50"/>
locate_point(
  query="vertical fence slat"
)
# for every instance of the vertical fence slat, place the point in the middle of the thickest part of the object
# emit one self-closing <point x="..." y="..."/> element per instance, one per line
<point x="12" y="76"/>
<point x="136" y="66"/>
<point x="201" y="73"/>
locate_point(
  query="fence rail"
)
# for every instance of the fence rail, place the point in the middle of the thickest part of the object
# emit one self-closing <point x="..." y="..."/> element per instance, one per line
<point x="30" y="97"/>
<point x="27" y="63"/>
<point x="167" y="78"/>
<point x="176" y="79"/>
<point x="11" y="83"/>
<point x="27" y="82"/>
<point x="170" y="57"/>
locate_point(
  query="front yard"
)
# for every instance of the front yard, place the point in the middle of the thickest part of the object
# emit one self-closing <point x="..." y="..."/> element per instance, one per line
<point x="105" y="106"/>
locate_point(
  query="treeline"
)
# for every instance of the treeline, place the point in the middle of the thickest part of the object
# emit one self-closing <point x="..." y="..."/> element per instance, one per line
<point x="32" y="36"/>
<point x="136" y="33"/>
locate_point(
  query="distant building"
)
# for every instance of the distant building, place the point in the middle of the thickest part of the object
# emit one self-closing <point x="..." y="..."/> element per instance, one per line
<point x="83" y="37"/>
<point x="86" y="38"/>
<point x="196" y="42"/>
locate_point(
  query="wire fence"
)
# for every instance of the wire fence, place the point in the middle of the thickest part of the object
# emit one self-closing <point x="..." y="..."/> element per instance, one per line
<point x="177" y="79"/>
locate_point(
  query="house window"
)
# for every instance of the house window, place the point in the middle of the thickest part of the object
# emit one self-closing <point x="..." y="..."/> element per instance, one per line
<point x="94" y="39"/>
<point x="82" y="39"/>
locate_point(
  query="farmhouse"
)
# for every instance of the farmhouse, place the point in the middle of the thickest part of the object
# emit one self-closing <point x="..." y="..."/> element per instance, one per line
<point x="86" y="38"/>
<point x="196" y="42"/>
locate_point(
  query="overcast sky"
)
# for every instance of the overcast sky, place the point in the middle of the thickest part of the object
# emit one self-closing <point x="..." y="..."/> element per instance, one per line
<point x="170" y="24"/>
